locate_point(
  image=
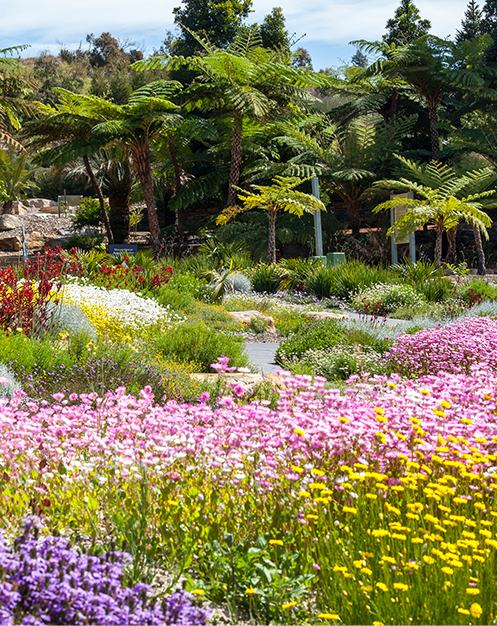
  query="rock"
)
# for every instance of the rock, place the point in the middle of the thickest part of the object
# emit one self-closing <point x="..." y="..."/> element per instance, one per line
<point x="11" y="243"/>
<point x="17" y="208"/>
<point x="9" y="222"/>
<point x="324" y="315"/>
<point x="35" y="239"/>
<point x="39" y="203"/>
<point x="247" y="381"/>
<point x="246" y="317"/>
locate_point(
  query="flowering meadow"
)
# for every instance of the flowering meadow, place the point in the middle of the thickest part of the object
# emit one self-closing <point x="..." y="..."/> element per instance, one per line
<point x="375" y="505"/>
<point x="142" y="500"/>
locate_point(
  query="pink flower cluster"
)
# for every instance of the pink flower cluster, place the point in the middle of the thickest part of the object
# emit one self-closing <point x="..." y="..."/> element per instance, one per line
<point x="445" y="418"/>
<point x="451" y="348"/>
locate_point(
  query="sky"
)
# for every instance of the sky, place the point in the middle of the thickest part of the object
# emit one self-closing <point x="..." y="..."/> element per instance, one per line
<point x="326" y="26"/>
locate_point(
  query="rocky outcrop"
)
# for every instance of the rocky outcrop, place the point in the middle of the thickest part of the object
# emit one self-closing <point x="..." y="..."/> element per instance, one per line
<point x="10" y="222"/>
<point x="246" y="317"/>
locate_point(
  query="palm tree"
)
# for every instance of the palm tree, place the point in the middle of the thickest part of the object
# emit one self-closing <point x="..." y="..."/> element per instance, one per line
<point x="67" y="131"/>
<point x="346" y="159"/>
<point x="245" y="80"/>
<point x="446" y="200"/>
<point x="281" y="196"/>
<point x="430" y="66"/>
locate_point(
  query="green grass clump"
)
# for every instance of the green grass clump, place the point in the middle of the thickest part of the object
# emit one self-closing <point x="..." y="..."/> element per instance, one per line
<point x="194" y="341"/>
<point x="343" y="281"/>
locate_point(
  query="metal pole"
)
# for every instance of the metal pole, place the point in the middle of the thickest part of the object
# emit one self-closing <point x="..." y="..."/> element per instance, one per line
<point x="317" y="219"/>
<point x="394" y="245"/>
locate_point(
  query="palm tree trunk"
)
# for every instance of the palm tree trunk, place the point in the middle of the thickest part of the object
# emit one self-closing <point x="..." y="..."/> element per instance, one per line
<point x="143" y="166"/>
<point x="236" y="156"/>
<point x="482" y="270"/>
<point x="438" y="245"/>
<point x="180" y="214"/>
<point x="100" y="196"/>
<point x="271" y="240"/>
<point x="433" y="117"/>
<point x="452" y="249"/>
<point x="119" y="214"/>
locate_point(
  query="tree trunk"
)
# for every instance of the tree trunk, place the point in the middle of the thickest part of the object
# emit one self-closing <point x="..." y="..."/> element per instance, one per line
<point x="100" y="196"/>
<point x="438" y="245"/>
<point x="141" y="159"/>
<point x="236" y="156"/>
<point x="271" y="240"/>
<point x="433" y="116"/>
<point x="119" y="214"/>
<point x="452" y="249"/>
<point x="482" y="270"/>
<point x="180" y="213"/>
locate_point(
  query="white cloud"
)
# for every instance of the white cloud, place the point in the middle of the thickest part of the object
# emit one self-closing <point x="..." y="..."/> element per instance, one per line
<point x="331" y="23"/>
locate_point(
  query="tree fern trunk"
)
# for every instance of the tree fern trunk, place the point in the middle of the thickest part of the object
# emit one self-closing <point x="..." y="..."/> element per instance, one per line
<point x="271" y="240"/>
<point x="180" y="214"/>
<point x="482" y="270"/>
<point x="236" y="157"/>
<point x="438" y="245"/>
<point x="144" y="170"/>
<point x="433" y="116"/>
<point x="452" y="249"/>
<point x="119" y="214"/>
<point x="100" y="196"/>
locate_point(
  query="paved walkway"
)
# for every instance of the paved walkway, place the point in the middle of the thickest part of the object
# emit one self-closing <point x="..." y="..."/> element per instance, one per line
<point x="262" y="354"/>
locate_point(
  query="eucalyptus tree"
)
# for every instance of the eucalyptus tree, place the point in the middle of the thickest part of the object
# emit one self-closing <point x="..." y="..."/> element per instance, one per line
<point x="246" y="81"/>
<point x="434" y="68"/>
<point x="347" y="159"/>
<point x="282" y="195"/>
<point x="444" y="199"/>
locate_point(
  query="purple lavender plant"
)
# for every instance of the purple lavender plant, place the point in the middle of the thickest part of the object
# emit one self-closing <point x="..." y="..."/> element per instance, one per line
<point x="46" y="581"/>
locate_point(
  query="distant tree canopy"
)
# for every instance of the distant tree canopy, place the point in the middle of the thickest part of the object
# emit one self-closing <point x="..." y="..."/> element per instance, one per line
<point x="218" y="20"/>
<point x="406" y="25"/>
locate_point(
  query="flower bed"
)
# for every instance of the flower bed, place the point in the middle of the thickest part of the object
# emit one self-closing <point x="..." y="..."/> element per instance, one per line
<point x="453" y="348"/>
<point x="375" y="499"/>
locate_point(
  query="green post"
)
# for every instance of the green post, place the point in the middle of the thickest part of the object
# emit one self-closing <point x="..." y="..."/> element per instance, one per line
<point x="335" y="258"/>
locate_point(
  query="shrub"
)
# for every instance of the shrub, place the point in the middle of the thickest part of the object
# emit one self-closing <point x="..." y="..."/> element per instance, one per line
<point x="339" y="362"/>
<point x="196" y="342"/>
<point x="88" y="214"/>
<point x="477" y="291"/>
<point x="381" y="299"/>
<point x="455" y="348"/>
<point x="266" y="278"/>
<point x="45" y="580"/>
<point x="313" y="336"/>
<point x="8" y="383"/>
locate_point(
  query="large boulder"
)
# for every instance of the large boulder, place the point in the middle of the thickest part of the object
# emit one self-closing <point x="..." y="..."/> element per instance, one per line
<point x="246" y="317"/>
<point x="9" y="222"/>
<point x="35" y="240"/>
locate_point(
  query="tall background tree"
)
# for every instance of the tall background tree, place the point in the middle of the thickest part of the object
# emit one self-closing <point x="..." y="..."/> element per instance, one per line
<point x="406" y="25"/>
<point x="472" y="25"/>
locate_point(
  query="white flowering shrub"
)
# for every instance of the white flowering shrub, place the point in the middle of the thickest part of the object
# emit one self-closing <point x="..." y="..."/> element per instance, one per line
<point x="340" y="361"/>
<point x="120" y="307"/>
<point x="384" y="298"/>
